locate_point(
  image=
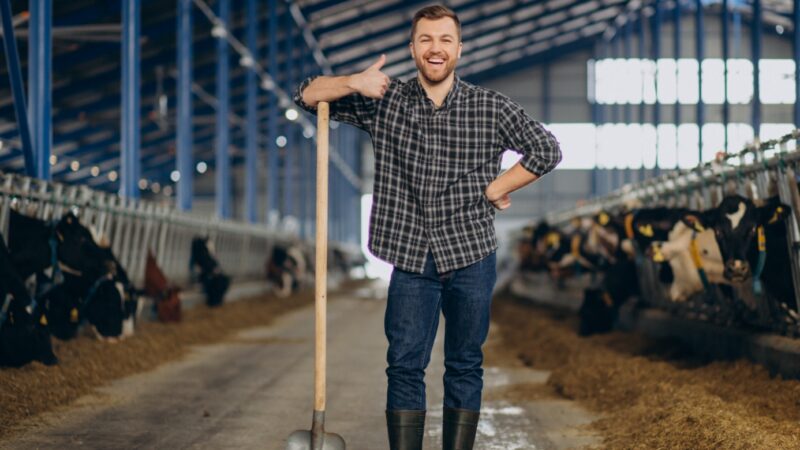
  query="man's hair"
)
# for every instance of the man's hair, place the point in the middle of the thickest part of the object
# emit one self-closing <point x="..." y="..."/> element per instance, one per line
<point x="434" y="12"/>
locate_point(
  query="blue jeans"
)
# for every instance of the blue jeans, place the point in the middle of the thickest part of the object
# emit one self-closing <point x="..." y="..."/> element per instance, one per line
<point x="464" y="296"/>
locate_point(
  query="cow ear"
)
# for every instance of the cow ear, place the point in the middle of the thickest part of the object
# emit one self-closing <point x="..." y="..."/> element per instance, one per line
<point x="772" y="213"/>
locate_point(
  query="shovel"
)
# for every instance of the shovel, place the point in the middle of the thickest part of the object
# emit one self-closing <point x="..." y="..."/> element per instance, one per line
<point x="317" y="438"/>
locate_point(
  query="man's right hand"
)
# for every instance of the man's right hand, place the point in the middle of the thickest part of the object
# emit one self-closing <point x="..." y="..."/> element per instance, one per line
<point x="371" y="82"/>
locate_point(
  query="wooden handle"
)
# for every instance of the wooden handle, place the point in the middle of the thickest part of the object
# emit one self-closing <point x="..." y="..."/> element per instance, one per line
<point x="320" y="291"/>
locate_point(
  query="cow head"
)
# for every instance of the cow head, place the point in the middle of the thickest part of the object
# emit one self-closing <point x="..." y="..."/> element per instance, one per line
<point x="77" y="248"/>
<point x="736" y="222"/>
<point x="653" y="225"/>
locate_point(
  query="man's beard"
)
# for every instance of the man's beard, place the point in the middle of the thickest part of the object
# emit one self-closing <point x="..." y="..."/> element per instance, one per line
<point x="438" y="76"/>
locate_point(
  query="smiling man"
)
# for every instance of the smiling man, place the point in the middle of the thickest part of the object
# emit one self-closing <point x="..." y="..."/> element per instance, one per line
<point x="438" y="144"/>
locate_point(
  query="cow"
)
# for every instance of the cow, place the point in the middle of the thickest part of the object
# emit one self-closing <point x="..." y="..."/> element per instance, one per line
<point x="286" y="268"/>
<point x="215" y="282"/>
<point x="167" y="302"/>
<point x="24" y="336"/>
<point x="753" y="246"/>
<point x="72" y="273"/>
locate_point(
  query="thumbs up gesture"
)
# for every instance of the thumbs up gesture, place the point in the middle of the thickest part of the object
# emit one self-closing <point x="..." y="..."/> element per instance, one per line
<point x="372" y="82"/>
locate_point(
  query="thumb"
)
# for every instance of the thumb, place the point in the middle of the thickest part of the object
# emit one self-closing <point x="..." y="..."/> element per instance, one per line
<point x="379" y="63"/>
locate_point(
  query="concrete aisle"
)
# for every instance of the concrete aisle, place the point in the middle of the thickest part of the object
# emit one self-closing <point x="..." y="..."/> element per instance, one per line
<point x="255" y="389"/>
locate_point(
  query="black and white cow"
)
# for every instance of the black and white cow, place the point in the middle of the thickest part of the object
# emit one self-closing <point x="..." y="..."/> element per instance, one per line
<point x="215" y="282"/>
<point x="24" y="337"/>
<point x="73" y="276"/>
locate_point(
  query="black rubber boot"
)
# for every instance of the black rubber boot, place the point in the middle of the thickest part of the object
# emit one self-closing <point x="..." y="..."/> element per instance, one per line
<point x="458" y="428"/>
<point x="406" y="429"/>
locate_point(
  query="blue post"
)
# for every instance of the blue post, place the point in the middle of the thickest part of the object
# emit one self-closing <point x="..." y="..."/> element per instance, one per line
<point x="796" y="52"/>
<point x="273" y="175"/>
<point x="131" y="98"/>
<point x="185" y="157"/>
<point x="755" y="35"/>
<point x="612" y="53"/>
<point x="223" y="162"/>
<point x="301" y="181"/>
<point x="18" y="91"/>
<point x="676" y="43"/>
<point x="288" y="169"/>
<point x="699" y="55"/>
<point x="251" y="152"/>
<point x="596" y="121"/>
<point x="40" y="46"/>
<point x="642" y="57"/>
<point x="656" y="36"/>
<point x="546" y="93"/>
<point x="726" y="107"/>
<point x="628" y="54"/>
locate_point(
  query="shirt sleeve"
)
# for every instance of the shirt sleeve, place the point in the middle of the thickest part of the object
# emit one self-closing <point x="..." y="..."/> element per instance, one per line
<point x="540" y="150"/>
<point x="354" y="109"/>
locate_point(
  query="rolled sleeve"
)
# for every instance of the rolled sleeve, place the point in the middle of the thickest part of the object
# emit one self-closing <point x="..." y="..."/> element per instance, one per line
<point x="354" y="109"/>
<point x="540" y="150"/>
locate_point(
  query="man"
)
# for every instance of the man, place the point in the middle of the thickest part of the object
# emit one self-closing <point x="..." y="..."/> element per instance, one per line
<point x="438" y="143"/>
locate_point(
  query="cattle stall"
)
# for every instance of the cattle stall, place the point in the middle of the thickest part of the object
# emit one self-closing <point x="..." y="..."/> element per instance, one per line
<point x="135" y="226"/>
<point x="762" y="174"/>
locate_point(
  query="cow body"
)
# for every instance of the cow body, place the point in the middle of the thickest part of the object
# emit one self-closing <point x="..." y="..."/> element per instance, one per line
<point x="215" y="283"/>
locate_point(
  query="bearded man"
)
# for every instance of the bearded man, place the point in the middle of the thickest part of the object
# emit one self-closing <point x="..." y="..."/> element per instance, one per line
<point x="438" y="144"/>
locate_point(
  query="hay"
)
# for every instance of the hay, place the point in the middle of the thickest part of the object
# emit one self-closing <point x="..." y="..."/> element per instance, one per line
<point x="86" y="363"/>
<point x="653" y="394"/>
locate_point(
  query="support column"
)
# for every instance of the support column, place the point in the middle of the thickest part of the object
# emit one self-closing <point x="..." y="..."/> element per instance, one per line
<point x="251" y="145"/>
<point x="131" y="98"/>
<point x="796" y="52"/>
<point x="656" y="36"/>
<point x="185" y="140"/>
<point x="288" y="168"/>
<point x="273" y="160"/>
<point x="726" y="107"/>
<point x="676" y="52"/>
<point x="755" y="36"/>
<point x="40" y="45"/>
<point x="223" y="162"/>
<point x="699" y="55"/>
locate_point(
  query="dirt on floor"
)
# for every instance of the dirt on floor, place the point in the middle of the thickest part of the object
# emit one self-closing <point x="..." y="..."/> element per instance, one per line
<point x="651" y="394"/>
<point x="86" y="363"/>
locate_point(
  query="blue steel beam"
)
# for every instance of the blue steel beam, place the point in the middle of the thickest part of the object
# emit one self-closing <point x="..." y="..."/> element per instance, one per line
<point x="251" y="158"/>
<point x="656" y="36"/>
<point x="628" y="32"/>
<point x="184" y="140"/>
<point x="12" y="60"/>
<point x="755" y="40"/>
<point x="676" y="54"/>
<point x="288" y="168"/>
<point x="39" y="83"/>
<point x="129" y="144"/>
<point x="796" y="53"/>
<point x="726" y="107"/>
<point x="273" y="174"/>
<point x="223" y="176"/>
<point x="699" y="55"/>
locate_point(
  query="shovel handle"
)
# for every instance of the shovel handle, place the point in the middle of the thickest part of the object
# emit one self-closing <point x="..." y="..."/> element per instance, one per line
<point x="320" y="291"/>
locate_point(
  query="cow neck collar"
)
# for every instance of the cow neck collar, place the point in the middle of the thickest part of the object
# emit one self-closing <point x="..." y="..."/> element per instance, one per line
<point x="698" y="262"/>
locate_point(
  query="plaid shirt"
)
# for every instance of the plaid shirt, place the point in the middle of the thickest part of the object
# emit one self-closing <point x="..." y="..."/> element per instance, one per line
<point x="432" y="167"/>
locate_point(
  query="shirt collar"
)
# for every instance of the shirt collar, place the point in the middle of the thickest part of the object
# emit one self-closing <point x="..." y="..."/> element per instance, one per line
<point x="448" y="100"/>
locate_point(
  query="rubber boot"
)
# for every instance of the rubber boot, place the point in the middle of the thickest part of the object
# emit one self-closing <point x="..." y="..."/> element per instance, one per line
<point x="406" y="429"/>
<point x="458" y="428"/>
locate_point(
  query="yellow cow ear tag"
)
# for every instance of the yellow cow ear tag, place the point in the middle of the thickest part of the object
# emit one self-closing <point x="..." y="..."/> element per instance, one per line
<point x="657" y="255"/>
<point x="43" y="320"/>
<point x="603" y="219"/>
<point x="695" y="224"/>
<point x="776" y="215"/>
<point x="73" y="315"/>
<point x="553" y="240"/>
<point x="646" y="230"/>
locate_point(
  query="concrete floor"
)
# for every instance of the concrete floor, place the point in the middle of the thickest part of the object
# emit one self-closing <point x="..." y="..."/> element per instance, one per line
<point x="254" y="390"/>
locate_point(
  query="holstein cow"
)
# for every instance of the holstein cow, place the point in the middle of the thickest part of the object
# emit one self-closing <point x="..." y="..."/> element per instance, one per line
<point x="286" y="268"/>
<point x="215" y="282"/>
<point x="752" y="242"/>
<point x="600" y="307"/>
<point x="72" y="274"/>
<point x="23" y="332"/>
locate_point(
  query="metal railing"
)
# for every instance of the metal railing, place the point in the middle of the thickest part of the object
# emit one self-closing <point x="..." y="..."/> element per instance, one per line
<point x="134" y="227"/>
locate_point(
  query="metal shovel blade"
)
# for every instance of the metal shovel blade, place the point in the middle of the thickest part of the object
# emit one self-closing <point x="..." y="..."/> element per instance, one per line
<point x="301" y="440"/>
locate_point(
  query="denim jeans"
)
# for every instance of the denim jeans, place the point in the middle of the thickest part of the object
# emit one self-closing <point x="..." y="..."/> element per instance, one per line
<point x="412" y="317"/>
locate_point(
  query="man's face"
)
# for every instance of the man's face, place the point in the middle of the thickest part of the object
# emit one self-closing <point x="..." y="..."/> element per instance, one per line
<point x="436" y="48"/>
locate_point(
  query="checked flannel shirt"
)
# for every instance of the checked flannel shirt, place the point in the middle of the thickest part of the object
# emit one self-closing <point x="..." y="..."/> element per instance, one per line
<point x="432" y="166"/>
